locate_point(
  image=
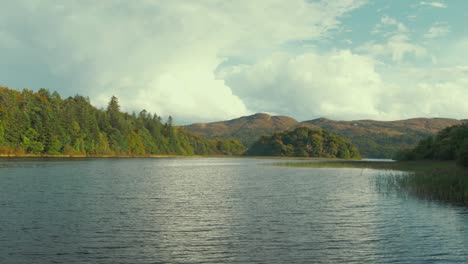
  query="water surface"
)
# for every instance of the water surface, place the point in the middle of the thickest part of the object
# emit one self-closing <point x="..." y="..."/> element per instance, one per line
<point x="215" y="210"/>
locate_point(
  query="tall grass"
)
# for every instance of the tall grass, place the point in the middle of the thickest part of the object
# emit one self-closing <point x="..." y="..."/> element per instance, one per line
<point x="445" y="183"/>
<point x="426" y="179"/>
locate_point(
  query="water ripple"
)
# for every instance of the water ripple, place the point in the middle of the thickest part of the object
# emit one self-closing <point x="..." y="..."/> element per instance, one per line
<point x="215" y="211"/>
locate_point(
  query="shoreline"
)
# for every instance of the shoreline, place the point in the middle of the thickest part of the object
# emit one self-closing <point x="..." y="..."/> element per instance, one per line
<point x="79" y="156"/>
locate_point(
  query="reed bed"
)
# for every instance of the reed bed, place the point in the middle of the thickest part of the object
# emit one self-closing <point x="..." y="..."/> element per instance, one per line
<point x="444" y="181"/>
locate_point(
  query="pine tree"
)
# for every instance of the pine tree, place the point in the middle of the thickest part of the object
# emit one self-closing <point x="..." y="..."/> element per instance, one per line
<point x="113" y="110"/>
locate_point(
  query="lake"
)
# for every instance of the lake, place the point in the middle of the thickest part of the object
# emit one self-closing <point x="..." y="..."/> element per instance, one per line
<point x="216" y="210"/>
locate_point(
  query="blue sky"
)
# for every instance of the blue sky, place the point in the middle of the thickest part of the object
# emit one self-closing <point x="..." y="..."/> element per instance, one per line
<point x="213" y="59"/>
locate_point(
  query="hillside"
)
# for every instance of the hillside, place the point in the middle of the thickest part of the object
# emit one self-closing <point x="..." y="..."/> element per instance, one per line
<point x="304" y="142"/>
<point x="376" y="139"/>
<point x="382" y="139"/>
<point x="399" y="127"/>
<point x="247" y="128"/>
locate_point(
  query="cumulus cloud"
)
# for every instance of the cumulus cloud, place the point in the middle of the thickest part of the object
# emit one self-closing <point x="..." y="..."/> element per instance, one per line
<point x="337" y="84"/>
<point x="344" y="85"/>
<point x="214" y="59"/>
<point x="155" y="55"/>
<point x="436" y="92"/>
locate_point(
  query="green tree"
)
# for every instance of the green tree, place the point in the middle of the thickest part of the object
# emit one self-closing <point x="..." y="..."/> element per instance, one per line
<point x="462" y="158"/>
<point x="113" y="110"/>
<point x="30" y="144"/>
<point x="44" y="123"/>
<point x="448" y="144"/>
<point x="304" y="142"/>
<point x="2" y="135"/>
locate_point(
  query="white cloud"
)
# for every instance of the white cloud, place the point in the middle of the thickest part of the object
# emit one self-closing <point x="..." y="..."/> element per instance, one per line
<point x="162" y="55"/>
<point x="452" y="55"/>
<point x="157" y="55"/>
<point x="396" y="47"/>
<point x="396" y="43"/>
<point x="337" y="84"/>
<point x="386" y="20"/>
<point x="388" y="26"/>
<point x="437" y="92"/>
<point x="343" y="85"/>
<point x="438" y="30"/>
<point x="434" y="4"/>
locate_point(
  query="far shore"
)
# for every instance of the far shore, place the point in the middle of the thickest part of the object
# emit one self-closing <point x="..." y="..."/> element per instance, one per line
<point x="98" y="156"/>
<point x="83" y="156"/>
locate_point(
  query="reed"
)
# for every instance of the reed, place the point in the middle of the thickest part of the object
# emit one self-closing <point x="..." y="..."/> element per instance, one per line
<point x="436" y="180"/>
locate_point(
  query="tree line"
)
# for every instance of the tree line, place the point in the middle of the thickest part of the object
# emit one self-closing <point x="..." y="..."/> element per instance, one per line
<point x="450" y="143"/>
<point x="43" y="123"/>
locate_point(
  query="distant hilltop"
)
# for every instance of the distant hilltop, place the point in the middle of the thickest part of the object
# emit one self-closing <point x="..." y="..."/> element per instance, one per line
<point x="247" y="128"/>
<point x="375" y="139"/>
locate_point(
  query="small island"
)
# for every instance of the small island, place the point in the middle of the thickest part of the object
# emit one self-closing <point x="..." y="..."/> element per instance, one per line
<point x="304" y="142"/>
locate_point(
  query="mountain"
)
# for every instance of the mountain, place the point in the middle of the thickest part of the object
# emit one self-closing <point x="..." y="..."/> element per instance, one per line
<point x="304" y="142"/>
<point x="375" y="139"/>
<point x="247" y="128"/>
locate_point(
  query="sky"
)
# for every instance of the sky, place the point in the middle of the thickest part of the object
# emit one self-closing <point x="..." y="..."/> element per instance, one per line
<point x="210" y="60"/>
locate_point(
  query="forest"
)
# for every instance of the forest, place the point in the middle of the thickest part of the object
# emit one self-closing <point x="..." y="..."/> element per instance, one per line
<point x="450" y="143"/>
<point x="304" y="142"/>
<point x="42" y="123"/>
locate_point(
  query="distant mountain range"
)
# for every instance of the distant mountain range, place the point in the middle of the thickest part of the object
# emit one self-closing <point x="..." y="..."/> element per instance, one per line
<point x="375" y="139"/>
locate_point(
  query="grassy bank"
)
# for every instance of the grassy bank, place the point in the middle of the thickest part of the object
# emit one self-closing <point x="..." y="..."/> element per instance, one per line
<point x="426" y="179"/>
